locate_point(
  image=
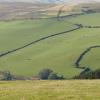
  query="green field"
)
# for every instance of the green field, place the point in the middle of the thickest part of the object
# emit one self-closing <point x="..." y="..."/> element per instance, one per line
<point x="50" y="90"/>
<point x="15" y="34"/>
<point x="58" y="52"/>
<point x="89" y="19"/>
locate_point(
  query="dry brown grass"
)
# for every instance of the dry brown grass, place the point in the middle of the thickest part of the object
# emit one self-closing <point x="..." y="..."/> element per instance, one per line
<point x="50" y="90"/>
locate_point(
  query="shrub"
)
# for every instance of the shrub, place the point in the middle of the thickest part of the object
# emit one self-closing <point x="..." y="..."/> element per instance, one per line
<point x="7" y="76"/>
<point x="54" y="76"/>
<point x="97" y="74"/>
<point x="44" y="74"/>
<point x="89" y="75"/>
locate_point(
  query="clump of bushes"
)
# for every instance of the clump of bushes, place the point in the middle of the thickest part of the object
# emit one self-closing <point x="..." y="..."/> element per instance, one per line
<point x="48" y="74"/>
<point x="6" y="75"/>
<point x="89" y="75"/>
<point x="44" y="74"/>
<point x="55" y="76"/>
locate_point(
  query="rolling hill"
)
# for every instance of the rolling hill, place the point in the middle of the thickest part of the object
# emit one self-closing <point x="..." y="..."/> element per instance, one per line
<point x="55" y="42"/>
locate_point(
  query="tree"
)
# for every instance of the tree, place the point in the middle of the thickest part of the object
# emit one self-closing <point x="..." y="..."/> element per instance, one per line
<point x="89" y="75"/>
<point x="44" y="74"/>
<point x="97" y="74"/>
<point x="7" y="76"/>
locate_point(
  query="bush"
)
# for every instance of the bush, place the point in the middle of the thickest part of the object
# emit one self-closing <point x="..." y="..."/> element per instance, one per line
<point x="89" y="75"/>
<point x="54" y="76"/>
<point x="7" y="76"/>
<point x="97" y="74"/>
<point x="44" y="74"/>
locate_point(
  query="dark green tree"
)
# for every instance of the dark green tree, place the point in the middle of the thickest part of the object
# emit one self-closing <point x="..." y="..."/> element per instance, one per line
<point x="89" y="75"/>
<point x="97" y="74"/>
<point x="44" y="74"/>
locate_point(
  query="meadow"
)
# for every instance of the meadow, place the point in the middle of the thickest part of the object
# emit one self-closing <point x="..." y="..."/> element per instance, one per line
<point x="50" y="90"/>
<point x="58" y="52"/>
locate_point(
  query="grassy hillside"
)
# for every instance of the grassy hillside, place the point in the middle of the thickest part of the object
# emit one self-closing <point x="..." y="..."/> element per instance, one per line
<point x="50" y="90"/>
<point x="15" y="34"/>
<point x="59" y="52"/>
<point x="90" y="19"/>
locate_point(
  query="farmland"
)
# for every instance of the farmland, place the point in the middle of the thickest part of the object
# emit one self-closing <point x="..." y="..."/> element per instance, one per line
<point x="61" y="41"/>
<point x="59" y="52"/>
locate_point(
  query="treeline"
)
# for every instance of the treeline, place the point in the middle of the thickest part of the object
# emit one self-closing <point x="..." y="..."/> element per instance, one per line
<point x="89" y="74"/>
<point x="44" y="74"/>
<point x="48" y="74"/>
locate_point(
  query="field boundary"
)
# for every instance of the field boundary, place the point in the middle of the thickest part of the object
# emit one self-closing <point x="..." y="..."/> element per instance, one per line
<point x="38" y="40"/>
<point x="77" y="63"/>
<point x="77" y="27"/>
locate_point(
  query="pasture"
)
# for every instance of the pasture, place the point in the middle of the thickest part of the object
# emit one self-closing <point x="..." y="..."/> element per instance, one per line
<point x="59" y="52"/>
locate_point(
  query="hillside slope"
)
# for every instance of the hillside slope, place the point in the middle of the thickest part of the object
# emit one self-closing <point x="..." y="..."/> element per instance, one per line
<point x="58" y="43"/>
<point x="58" y="53"/>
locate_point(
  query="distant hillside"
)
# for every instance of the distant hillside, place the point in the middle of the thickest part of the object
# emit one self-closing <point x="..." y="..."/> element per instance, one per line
<point x="23" y="10"/>
<point x="20" y="10"/>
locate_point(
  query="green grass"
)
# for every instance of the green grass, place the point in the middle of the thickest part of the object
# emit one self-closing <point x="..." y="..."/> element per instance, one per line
<point x="92" y="59"/>
<point x="58" y="53"/>
<point x="50" y="90"/>
<point x="15" y="34"/>
<point x="90" y="19"/>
